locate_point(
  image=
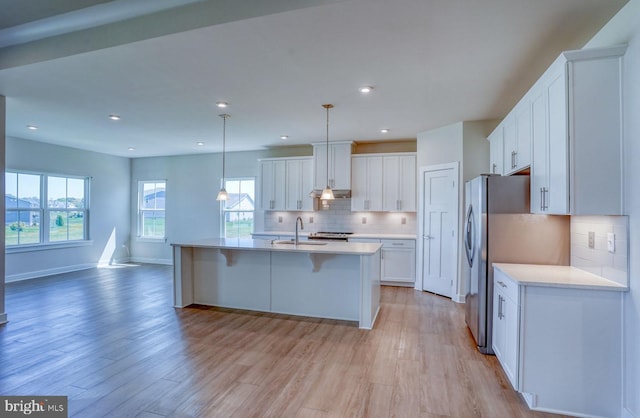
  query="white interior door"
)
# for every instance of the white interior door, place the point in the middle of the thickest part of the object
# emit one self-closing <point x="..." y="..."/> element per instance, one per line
<point x="438" y="228"/>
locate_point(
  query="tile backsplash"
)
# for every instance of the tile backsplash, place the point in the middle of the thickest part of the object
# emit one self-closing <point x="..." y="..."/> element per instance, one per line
<point x="338" y="217"/>
<point x="599" y="260"/>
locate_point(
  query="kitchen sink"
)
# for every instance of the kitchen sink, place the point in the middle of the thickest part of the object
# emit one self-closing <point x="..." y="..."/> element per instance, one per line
<point x="291" y="242"/>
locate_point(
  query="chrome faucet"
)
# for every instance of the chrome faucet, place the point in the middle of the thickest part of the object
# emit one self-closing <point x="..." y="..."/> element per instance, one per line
<point x="298" y="219"/>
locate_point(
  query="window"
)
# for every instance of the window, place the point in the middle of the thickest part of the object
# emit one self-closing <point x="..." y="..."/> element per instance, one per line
<point x="42" y="208"/>
<point x="151" y="209"/>
<point x="237" y="211"/>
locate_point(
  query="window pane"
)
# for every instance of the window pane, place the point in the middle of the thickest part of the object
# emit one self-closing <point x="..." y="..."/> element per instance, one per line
<point x="22" y="227"/>
<point x="238" y="224"/>
<point x="57" y="192"/>
<point x="58" y="226"/>
<point x="75" y="225"/>
<point x="153" y="195"/>
<point x="28" y="191"/>
<point x="153" y="224"/>
<point x="247" y="189"/>
<point x="75" y="193"/>
<point x="11" y="190"/>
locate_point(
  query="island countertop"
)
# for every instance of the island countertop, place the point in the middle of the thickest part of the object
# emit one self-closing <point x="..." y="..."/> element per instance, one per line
<point x="326" y="247"/>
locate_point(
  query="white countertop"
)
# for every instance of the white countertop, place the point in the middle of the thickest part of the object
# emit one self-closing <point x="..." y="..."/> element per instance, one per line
<point x="328" y="247"/>
<point x="354" y="235"/>
<point x="556" y="276"/>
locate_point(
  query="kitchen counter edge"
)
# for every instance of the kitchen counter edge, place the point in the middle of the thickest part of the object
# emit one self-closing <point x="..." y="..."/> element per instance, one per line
<point x="557" y="276"/>
<point x="348" y="248"/>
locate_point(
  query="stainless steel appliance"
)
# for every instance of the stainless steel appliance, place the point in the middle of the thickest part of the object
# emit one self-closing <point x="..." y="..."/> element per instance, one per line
<point x="500" y="229"/>
<point x="330" y="236"/>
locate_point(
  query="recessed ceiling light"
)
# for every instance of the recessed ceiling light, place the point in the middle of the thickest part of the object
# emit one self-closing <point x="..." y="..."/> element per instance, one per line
<point x="384" y="131"/>
<point x="222" y="104"/>
<point x="32" y="127"/>
<point x="114" y="117"/>
<point x="365" y="89"/>
<point x="200" y="143"/>
<point x="284" y="136"/>
<point x="131" y="149"/>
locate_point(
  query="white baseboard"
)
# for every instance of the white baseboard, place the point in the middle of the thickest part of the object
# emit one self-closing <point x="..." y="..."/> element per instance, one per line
<point x="627" y="414"/>
<point x="47" y="272"/>
<point x="164" y="261"/>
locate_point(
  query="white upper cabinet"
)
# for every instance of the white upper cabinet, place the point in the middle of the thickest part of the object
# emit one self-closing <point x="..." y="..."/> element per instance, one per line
<point x="339" y="165"/>
<point x="399" y="186"/>
<point x="272" y="184"/>
<point x="299" y="175"/>
<point x="496" y="150"/>
<point x="517" y="138"/>
<point x="577" y="135"/>
<point x="384" y="182"/>
<point x="366" y="183"/>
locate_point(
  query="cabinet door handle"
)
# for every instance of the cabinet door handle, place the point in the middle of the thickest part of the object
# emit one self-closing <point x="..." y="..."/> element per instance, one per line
<point x="366" y="204"/>
<point x="513" y="159"/>
<point x="397" y="243"/>
<point x="542" y="198"/>
<point x="501" y="283"/>
<point x="500" y="314"/>
<point x="494" y="166"/>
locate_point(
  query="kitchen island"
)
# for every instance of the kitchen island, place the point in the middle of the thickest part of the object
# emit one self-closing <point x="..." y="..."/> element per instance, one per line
<point x="335" y="280"/>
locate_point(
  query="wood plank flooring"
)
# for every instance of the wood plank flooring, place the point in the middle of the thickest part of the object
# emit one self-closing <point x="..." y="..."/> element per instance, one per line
<point x="111" y="341"/>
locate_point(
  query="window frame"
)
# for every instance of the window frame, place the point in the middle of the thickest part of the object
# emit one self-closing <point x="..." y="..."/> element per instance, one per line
<point x="140" y="213"/>
<point x="223" y="204"/>
<point x="44" y="211"/>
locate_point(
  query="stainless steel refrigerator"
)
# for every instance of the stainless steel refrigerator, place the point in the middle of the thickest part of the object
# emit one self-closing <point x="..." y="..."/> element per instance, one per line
<point x="500" y="229"/>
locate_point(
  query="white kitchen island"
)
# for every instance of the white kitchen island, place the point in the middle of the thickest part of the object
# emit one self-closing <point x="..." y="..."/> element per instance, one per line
<point x="336" y="280"/>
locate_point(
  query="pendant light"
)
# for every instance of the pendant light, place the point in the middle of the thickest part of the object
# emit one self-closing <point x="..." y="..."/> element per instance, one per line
<point x="327" y="193"/>
<point x="222" y="194"/>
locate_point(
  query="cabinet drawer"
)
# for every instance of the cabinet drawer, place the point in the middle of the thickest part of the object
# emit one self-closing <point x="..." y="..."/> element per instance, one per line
<point x="398" y="243"/>
<point x="506" y="285"/>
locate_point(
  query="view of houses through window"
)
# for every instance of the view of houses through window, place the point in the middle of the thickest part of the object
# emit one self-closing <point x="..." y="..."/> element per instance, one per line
<point x="237" y="211"/>
<point x="151" y="209"/>
<point x="33" y="200"/>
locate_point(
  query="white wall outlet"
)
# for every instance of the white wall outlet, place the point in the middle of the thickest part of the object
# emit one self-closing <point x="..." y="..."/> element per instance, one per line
<point x="310" y="219"/>
<point x="279" y="219"/>
<point x="364" y="219"/>
<point x="403" y="220"/>
<point x="611" y="242"/>
<point x="592" y="239"/>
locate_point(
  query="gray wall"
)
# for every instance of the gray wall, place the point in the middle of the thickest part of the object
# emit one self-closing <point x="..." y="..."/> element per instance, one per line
<point x="466" y="143"/>
<point x="3" y="109"/>
<point x="108" y="207"/>
<point x="193" y="182"/>
<point x="625" y="28"/>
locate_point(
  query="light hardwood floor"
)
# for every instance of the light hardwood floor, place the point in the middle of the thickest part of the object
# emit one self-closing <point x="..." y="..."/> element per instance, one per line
<point x="111" y="341"/>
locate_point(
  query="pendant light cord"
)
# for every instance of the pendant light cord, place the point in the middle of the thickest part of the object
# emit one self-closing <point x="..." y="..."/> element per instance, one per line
<point x="327" y="106"/>
<point x="224" y="117"/>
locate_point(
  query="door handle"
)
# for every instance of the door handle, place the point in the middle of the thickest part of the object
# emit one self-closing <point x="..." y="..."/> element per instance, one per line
<point x="427" y="237"/>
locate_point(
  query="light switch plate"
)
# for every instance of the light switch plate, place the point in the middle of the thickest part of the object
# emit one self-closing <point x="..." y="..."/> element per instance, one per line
<point x="611" y="242"/>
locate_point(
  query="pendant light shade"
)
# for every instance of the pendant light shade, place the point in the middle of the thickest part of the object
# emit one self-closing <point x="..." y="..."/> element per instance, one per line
<point x="327" y="193"/>
<point x="222" y="194"/>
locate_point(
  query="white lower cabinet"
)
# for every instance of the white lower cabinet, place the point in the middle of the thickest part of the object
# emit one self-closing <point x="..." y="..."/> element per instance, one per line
<point x="560" y="346"/>
<point x="505" y="325"/>
<point x="398" y="260"/>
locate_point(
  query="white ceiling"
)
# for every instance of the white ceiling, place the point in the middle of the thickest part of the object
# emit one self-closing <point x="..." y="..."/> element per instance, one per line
<point x="432" y="63"/>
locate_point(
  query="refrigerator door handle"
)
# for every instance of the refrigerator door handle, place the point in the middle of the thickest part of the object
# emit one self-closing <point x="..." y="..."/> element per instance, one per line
<point x="469" y="237"/>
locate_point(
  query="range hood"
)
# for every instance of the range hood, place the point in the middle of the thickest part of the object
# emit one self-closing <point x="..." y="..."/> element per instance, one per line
<point x="338" y="194"/>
